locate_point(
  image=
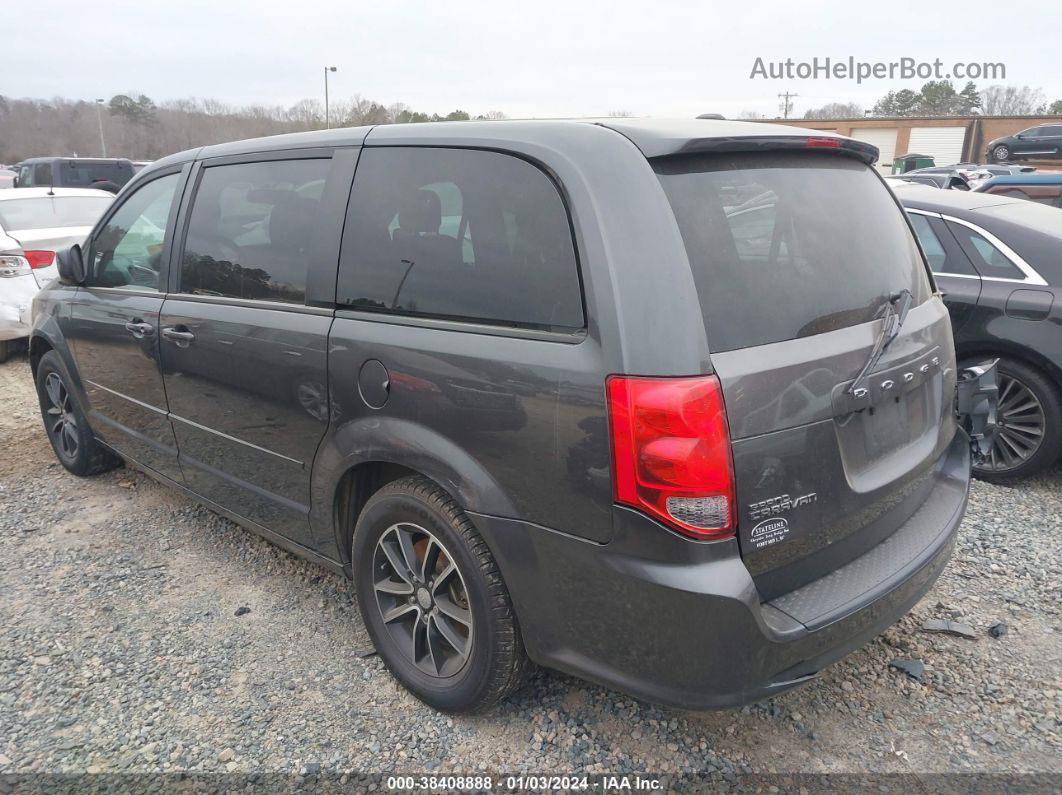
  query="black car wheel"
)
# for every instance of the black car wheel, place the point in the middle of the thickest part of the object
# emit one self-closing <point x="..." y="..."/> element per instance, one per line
<point x="1029" y="435"/>
<point x="433" y="600"/>
<point x="68" y="429"/>
<point x="1001" y="153"/>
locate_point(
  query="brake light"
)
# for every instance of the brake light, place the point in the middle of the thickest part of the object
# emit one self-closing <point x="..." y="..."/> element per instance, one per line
<point x="823" y="141"/>
<point x="671" y="452"/>
<point x="40" y="259"/>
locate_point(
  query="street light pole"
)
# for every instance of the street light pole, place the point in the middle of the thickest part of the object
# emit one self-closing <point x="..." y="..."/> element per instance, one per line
<point x="99" y="121"/>
<point x="327" y="69"/>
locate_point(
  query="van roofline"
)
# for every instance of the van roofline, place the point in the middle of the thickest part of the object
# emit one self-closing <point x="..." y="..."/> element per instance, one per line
<point x="653" y="137"/>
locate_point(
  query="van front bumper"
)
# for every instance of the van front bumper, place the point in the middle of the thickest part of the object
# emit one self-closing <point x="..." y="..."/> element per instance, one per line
<point x="681" y="623"/>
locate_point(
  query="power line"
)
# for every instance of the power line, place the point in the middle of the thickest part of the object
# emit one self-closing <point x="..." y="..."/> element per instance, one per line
<point x="786" y="105"/>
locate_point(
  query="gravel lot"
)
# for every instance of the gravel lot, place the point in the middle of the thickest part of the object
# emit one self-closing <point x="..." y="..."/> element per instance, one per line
<point x="125" y="646"/>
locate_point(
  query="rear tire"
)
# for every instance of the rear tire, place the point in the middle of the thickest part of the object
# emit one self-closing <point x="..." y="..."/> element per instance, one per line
<point x="1029" y="438"/>
<point x="65" y="422"/>
<point x="433" y="601"/>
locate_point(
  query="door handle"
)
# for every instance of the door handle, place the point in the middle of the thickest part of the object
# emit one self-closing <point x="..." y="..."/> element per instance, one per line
<point x="181" y="338"/>
<point x="139" y="328"/>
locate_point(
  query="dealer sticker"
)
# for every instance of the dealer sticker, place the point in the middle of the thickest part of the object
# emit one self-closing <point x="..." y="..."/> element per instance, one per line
<point x="769" y="531"/>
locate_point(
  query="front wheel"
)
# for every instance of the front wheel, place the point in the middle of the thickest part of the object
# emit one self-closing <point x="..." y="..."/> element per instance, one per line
<point x="433" y="600"/>
<point x="1001" y="153"/>
<point x="65" y="423"/>
<point x="1029" y="433"/>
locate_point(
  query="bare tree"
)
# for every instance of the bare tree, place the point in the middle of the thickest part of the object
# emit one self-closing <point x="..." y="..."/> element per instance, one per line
<point x="1012" y="101"/>
<point x="620" y="114"/>
<point x="836" y="110"/>
<point x="135" y="126"/>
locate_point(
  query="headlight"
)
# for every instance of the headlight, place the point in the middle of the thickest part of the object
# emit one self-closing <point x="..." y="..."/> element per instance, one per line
<point x="13" y="265"/>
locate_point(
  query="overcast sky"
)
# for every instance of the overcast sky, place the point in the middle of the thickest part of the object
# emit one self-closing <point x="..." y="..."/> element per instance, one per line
<point x="541" y="58"/>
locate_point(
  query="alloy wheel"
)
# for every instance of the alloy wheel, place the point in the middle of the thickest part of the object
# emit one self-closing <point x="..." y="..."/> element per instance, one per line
<point x="62" y="424"/>
<point x="422" y="599"/>
<point x="1001" y="153"/>
<point x="1021" y="423"/>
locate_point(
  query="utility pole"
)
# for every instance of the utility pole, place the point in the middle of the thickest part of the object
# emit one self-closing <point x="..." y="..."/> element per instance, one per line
<point x="99" y="121"/>
<point x="787" y="105"/>
<point x="327" y="69"/>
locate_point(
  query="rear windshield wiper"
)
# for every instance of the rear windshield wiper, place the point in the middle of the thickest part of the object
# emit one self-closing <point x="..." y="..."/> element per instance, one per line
<point x="892" y="322"/>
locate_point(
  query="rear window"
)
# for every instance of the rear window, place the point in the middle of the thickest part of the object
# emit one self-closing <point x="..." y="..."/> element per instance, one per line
<point x="252" y="229"/>
<point x="788" y="245"/>
<point x="83" y="174"/>
<point x="46" y="212"/>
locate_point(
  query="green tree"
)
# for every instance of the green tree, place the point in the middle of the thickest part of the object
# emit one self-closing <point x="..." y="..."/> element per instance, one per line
<point x="139" y="111"/>
<point x="904" y="102"/>
<point x="969" y="100"/>
<point x="1055" y="107"/>
<point x="457" y="115"/>
<point x="938" y="98"/>
<point x="407" y="116"/>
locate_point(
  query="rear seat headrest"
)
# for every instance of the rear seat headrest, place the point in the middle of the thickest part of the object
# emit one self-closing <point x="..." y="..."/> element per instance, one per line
<point x="420" y="213"/>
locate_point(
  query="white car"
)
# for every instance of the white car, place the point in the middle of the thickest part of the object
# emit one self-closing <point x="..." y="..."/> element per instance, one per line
<point x="34" y="224"/>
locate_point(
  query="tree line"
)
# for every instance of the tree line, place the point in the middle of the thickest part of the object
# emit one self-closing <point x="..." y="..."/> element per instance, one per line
<point x="136" y="127"/>
<point x="943" y="98"/>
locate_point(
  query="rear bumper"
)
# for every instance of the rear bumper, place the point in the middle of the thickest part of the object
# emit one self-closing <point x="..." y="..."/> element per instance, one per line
<point x="16" y="306"/>
<point x="681" y="623"/>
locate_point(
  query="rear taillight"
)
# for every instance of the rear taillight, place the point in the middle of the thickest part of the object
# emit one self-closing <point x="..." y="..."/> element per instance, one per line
<point x="40" y="259"/>
<point x="671" y="452"/>
<point x="12" y="265"/>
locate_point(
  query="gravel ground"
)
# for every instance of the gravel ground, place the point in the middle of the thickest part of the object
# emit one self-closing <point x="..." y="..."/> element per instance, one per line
<point x="143" y="633"/>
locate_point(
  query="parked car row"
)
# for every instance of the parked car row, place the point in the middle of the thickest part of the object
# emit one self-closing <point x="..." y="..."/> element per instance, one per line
<point x="74" y="172"/>
<point x="1041" y="188"/>
<point x="34" y="224"/>
<point x="1018" y="182"/>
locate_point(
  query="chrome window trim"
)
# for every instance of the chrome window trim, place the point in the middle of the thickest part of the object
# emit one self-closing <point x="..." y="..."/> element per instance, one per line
<point x="250" y="303"/>
<point x="1030" y="273"/>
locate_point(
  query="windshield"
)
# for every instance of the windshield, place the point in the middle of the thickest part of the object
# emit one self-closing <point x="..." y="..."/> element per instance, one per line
<point x="788" y="245"/>
<point x="47" y="212"/>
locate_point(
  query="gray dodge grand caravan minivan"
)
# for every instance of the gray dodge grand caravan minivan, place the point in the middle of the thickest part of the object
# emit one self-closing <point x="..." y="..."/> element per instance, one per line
<point x="664" y="405"/>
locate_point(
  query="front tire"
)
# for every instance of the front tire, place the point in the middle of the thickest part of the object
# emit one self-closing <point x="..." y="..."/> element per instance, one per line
<point x="433" y="601"/>
<point x="1029" y="437"/>
<point x="1001" y="153"/>
<point x="65" y="423"/>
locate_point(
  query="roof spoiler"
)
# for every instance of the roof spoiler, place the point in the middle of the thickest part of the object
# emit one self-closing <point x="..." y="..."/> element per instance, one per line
<point x="850" y="147"/>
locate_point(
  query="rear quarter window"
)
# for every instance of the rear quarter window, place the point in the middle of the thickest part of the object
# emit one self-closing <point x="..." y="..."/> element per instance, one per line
<point x="788" y="245"/>
<point x="459" y="234"/>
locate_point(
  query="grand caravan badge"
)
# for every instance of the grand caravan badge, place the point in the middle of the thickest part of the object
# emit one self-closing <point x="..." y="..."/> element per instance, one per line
<point x="769" y="531"/>
<point x="781" y="504"/>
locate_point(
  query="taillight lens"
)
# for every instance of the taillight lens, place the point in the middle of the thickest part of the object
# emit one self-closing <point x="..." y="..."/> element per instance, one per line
<point x="671" y="452"/>
<point x="823" y="142"/>
<point x="12" y="265"/>
<point x="40" y="259"/>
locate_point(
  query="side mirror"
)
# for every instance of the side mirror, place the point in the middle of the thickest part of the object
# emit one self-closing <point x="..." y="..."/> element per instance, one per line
<point x="71" y="266"/>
